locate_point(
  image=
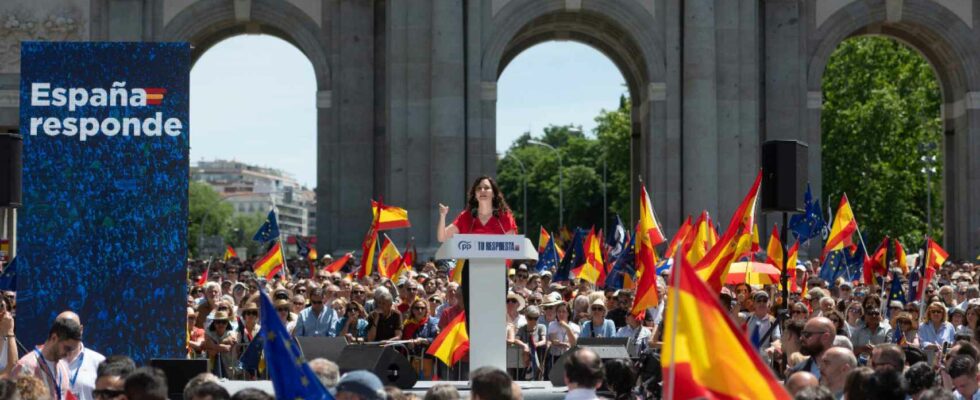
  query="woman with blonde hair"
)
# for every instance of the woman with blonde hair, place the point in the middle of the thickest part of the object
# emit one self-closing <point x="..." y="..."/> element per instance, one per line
<point x="935" y="331"/>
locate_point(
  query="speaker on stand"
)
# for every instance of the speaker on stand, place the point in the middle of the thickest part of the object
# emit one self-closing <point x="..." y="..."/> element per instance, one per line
<point x="784" y="178"/>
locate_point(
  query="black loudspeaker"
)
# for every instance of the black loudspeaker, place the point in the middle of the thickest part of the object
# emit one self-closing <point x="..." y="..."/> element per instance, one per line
<point x="179" y="371"/>
<point x="329" y="348"/>
<point x="784" y="175"/>
<point x="11" y="148"/>
<point x="388" y="364"/>
<point x="605" y="348"/>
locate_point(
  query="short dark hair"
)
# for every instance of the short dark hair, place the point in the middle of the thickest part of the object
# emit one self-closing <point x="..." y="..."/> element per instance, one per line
<point x="914" y="355"/>
<point x="920" y="376"/>
<point x="795" y="327"/>
<point x="252" y="394"/>
<point x="490" y="383"/>
<point x="8" y="389"/>
<point x="584" y="368"/>
<point x="209" y="389"/>
<point x="146" y="383"/>
<point x="66" y="328"/>
<point x="887" y="384"/>
<point x="621" y="376"/>
<point x="890" y="354"/>
<point x="962" y="365"/>
<point x="965" y="348"/>
<point x="814" y="393"/>
<point x="120" y="366"/>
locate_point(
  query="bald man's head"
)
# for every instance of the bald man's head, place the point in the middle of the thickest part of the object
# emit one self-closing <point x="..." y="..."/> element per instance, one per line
<point x="818" y="335"/>
<point x="801" y="380"/>
<point x="69" y="315"/>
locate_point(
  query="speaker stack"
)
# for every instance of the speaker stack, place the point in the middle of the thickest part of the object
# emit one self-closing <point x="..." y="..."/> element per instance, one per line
<point x="389" y="365"/>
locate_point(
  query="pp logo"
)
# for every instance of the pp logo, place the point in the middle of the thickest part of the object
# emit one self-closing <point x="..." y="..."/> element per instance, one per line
<point x="464" y="245"/>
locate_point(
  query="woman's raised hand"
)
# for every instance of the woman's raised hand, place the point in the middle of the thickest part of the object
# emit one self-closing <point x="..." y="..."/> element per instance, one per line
<point x="443" y="210"/>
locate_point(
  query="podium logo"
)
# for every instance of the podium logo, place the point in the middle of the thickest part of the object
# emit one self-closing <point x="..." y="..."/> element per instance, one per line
<point x="464" y="245"/>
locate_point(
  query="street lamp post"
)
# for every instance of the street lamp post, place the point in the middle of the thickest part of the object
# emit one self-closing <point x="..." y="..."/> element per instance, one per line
<point x="928" y="170"/>
<point x="561" y="203"/>
<point x="524" y="184"/>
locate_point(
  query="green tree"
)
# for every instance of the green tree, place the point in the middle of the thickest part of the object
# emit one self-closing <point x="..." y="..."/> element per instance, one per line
<point x="582" y="163"/>
<point x="881" y="102"/>
<point x="203" y="202"/>
<point x="241" y="228"/>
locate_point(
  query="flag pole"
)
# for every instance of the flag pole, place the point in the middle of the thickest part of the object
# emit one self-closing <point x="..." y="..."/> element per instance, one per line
<point x="282" y="251"/>
<point x="674" y="306"/>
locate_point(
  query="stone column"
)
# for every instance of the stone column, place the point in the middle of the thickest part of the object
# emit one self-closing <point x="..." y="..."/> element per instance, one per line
<point x="699" y="108"/>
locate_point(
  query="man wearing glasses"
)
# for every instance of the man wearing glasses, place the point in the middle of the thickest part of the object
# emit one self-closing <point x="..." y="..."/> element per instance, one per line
<point x="762" y="327"/>
<point x="316" y="320"/>
<point x="817" y="336"/>
<point x="872" y="333"/>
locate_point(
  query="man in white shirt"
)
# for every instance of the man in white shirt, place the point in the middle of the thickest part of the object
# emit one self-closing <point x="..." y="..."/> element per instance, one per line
<point x="584" y="373"/>
<point x="83" y="364"/>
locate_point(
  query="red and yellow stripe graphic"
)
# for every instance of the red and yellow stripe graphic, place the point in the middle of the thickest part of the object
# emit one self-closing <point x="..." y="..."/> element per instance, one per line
<point x="154" y="96"/>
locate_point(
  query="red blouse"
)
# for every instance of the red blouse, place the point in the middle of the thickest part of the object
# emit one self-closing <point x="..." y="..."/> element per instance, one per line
<point x="467" y="223"/>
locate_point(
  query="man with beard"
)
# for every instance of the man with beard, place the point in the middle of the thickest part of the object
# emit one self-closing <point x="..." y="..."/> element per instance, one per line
<point x="817" y="336"/>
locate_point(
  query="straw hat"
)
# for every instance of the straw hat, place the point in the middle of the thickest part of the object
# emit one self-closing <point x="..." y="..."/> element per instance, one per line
<point x="520" y="300"/>
<point x="552" y="299"/>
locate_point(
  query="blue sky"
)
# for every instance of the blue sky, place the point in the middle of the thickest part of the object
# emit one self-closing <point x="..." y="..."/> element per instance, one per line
<point x="253" y="99"/>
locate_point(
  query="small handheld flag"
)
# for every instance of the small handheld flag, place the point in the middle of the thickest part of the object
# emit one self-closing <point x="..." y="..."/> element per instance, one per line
<point x="269" y="264"/>
<point x="229" y="253"/>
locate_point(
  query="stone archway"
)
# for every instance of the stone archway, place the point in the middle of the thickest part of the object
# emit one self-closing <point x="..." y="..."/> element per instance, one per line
<point x="614" y="28"/>
<point x="945" y="40"/>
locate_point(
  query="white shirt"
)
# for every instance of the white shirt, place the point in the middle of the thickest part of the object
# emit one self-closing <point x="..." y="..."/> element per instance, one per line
<point x="82" y="372"/>
<point x="555" y="331"/>
<point x="581" y="394"/>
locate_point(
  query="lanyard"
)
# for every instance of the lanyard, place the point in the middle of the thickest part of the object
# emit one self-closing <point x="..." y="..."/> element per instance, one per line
<point x="56" y="376"/>
<point x="81" y="363"/>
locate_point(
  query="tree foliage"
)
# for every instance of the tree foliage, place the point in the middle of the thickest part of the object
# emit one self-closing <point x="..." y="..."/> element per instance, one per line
<point x="582" y="159"/>
<point x="204" y="206"/>
<point x="881" y="105"/>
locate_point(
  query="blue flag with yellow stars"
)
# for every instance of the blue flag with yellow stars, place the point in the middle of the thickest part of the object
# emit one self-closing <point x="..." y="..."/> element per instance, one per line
<point x="895" y="292"/>
<point x="624" y="265"/>
<point x="810" y="224"/>
<point x="291" y="376"/>
<point x="548" y="259"/>
<point x="269" y="231"/>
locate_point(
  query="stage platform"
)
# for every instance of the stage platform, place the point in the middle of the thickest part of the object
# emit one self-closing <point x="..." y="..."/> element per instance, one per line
<point x="531" y="390"/>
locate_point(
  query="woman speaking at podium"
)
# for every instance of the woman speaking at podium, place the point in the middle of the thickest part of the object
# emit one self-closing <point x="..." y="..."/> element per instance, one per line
<point x="486" y="213"/>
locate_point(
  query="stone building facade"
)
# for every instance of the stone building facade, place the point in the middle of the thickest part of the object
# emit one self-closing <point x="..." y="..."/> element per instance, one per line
<point x="406" y="90"/>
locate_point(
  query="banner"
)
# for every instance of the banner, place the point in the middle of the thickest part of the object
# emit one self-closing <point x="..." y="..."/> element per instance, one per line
<point x="104" y="224"/>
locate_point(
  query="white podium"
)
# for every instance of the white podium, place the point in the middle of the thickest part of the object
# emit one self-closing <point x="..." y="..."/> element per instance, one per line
<point x="487" y="322"/>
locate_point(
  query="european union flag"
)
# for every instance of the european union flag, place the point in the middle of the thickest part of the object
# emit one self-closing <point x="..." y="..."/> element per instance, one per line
<point x="914" y="278"/>
<point x="855" y="262"/>
<point x="616" y="238"/>
<point x="810" y="224"/>
<point x="302" y="249"/>
<point x="548" y="259"/>
<point x="895" y="292"/>
<point x="834" y="266"/>
<point x="572" y="258"/>
<point x="291" y="376"/>
<point x="624" y="265"/>
<point x="8" y="279"/>
<point x="269" y="230"/>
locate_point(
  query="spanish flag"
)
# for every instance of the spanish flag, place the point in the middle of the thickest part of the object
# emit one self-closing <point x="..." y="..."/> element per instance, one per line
<point x="368" y="248"/>
<point x="457" y="274"/>
<point x="699" y="242"/>
<point x="935" y="255"/>
<point x="312" y="256"/>
<point x="843" y="227"/>
<point x="229" y="253"/>
<point x="269" y="264"/>
<point x="338" y="264"/>
<point x="678" y="238"/>
<point x="876" y="264"/>
<point x="736" y="242"/>
<point x="389" y="217"/>
<point x="901" y="258"/>
<point x="791" y="264"/>
<point x="648" y="235"/>
<point x="697" y="325"/>
<point x="453" y="342"/>
<point x="774" y="251"/>
<point x="591" y="269"/>
<point x="389" y="260"/>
